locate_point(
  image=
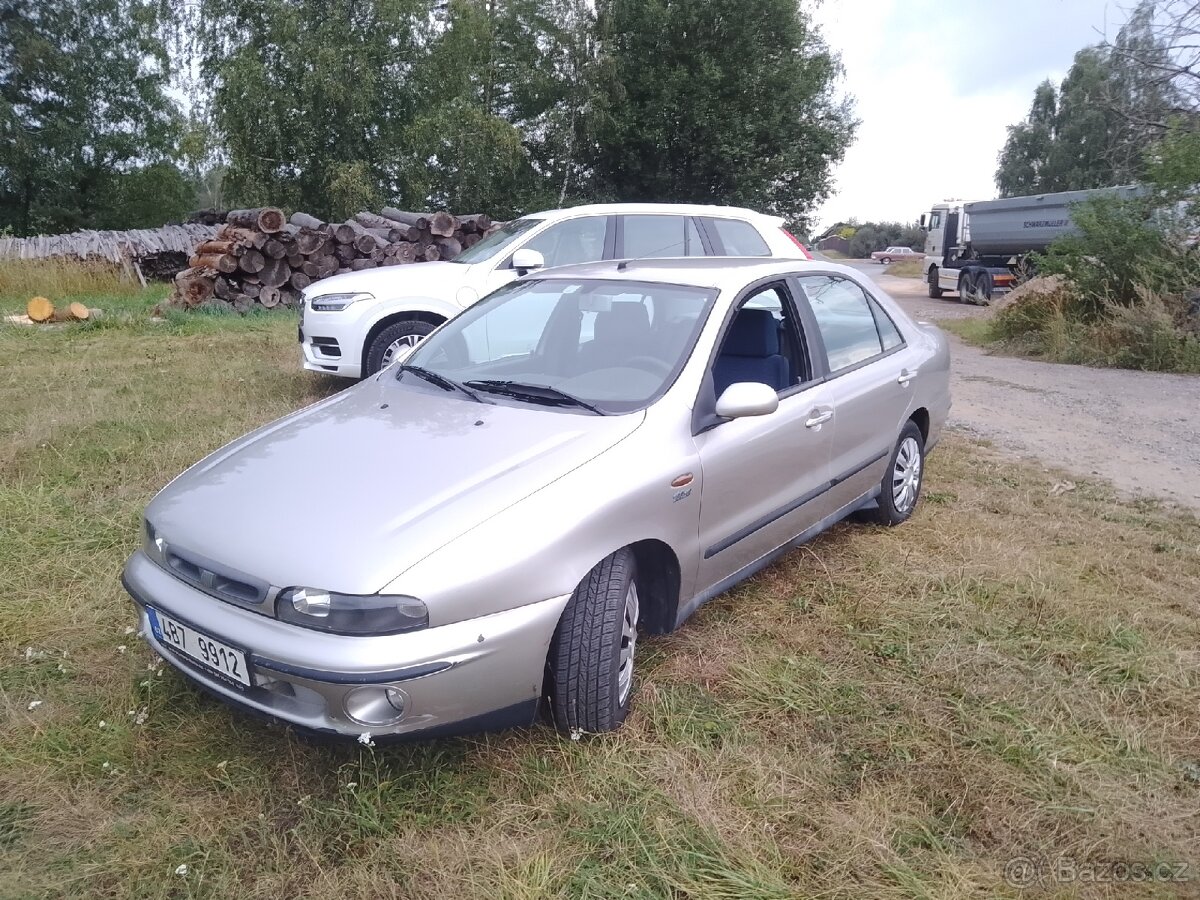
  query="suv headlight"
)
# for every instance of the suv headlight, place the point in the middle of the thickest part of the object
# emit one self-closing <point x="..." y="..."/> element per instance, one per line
<point x="337" y="302"/>
<point x="373" y="614"/>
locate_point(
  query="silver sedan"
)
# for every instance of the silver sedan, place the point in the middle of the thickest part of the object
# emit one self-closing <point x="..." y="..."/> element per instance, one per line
<point x="483" y="529"/>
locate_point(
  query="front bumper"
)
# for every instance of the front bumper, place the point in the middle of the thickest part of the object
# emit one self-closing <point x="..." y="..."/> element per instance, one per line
<point x="468" y="676"/>
<point x="332" y="342"/>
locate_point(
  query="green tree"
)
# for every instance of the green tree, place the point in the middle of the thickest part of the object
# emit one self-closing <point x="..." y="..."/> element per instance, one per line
<point x="86" y="126"/>
<point x="707" y="101"/>
<point x="1025" y="159"/>
<point x="310" y="97"/>
<point x="1114" y="102"/>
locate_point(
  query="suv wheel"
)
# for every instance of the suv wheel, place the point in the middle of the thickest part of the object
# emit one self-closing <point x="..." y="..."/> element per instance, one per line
<point x="590" y="666"/>
<point x="393" y="339"/>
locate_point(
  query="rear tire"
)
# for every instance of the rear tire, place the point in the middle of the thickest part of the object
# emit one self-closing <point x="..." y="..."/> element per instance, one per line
<point x="590" y="666"/>
<point x="966" y="287"/>
<point x="900" y="488"/>
<point x="931" y="277"/>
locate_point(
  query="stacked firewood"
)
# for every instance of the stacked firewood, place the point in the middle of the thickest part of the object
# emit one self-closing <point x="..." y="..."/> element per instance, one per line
<point x="259" y="257"/>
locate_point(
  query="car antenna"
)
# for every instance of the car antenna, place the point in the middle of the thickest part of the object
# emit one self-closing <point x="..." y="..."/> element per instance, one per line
<point x="624" y="264"/>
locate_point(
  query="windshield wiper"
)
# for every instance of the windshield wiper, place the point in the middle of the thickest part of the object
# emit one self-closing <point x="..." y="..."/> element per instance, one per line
<point x="446" y="384"/>
<point x="537" y="393"/>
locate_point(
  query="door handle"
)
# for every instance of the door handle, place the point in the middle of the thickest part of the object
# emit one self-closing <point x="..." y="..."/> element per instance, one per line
<point x="905" y="376"/>
<point x="818" y="417"/>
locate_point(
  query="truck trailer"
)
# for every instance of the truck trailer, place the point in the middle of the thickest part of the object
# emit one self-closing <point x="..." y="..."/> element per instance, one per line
<point x="979" y="249"/>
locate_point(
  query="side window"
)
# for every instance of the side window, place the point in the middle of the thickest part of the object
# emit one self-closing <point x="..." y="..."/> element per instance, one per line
<point x="762" y="344"/>
<point x="935" y="221"/>
<point x="845" y="320"/>
<point x="740" y="238"/>
<point x="572" y="241"/>
<point x="889" y="335"/>
<point x="647" y="237"/>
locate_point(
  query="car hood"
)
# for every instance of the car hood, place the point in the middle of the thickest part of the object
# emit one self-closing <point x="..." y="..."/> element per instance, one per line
<point x="386" y="282"/>
<point x="349" y="493"/>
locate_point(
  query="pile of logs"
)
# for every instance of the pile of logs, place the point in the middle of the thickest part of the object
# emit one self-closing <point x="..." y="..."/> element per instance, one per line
<point x="260" y="258"/>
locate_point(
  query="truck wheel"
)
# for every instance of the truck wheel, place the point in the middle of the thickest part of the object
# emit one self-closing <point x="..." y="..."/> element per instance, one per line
<point x="396" y="337"/>
<point x="983" y="288"/>
<point x="966" y="287"/>
<point x="591" y="655"/>
<point x="932" y="277"/>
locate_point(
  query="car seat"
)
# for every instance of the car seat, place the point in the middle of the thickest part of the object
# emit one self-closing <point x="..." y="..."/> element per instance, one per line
<point x="751" y="352"/>
<point x="620" y="333"/>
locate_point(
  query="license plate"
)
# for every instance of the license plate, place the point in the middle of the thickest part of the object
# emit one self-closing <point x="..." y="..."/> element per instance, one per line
<point x="209" y="653"/>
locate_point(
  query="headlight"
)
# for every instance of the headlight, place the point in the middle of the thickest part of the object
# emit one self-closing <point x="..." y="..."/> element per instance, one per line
<point x="153" y="545"/>
<point x="350" y="613"/>
<point x="337" y="302"/>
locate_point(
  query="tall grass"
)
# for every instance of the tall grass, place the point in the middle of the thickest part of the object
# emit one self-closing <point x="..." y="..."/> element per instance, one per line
<point x="61" y="279"/>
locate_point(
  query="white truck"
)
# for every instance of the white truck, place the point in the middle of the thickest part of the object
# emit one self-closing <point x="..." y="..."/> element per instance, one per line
<point x="979" y="249"/>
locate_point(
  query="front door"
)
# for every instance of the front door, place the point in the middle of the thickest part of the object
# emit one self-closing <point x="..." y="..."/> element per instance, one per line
<point x="764" y="477"/>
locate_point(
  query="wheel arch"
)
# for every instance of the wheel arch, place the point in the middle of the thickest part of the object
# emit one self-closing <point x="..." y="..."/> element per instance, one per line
<point x="658" y="582"/>
<point x="920" y="417"/>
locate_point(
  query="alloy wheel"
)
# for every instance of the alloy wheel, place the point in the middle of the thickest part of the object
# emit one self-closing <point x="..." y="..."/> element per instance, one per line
<point x="629" y="622"/>
<point x="409" y="340"/>
<point x="906" y="476"/>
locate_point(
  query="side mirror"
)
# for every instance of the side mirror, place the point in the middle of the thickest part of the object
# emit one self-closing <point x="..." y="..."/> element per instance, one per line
<point x="922" y="220"/>
<point x="525" y="260"/>
<point x="747" y="398"/>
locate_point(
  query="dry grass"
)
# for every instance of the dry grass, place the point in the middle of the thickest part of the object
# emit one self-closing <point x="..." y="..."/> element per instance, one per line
<point x="94" y="282"/>
<point x="884" y="713"/>
<point x="908" y="268"/>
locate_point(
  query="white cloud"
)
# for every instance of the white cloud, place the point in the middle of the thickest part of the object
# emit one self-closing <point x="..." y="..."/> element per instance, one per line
<point x="936" y="86"/>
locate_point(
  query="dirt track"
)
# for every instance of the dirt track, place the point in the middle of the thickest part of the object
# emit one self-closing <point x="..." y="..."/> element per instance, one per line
<point x="1139" y="430"/>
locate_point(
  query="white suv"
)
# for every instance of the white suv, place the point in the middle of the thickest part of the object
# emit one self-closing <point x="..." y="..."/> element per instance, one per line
<point x="354" y="324"/>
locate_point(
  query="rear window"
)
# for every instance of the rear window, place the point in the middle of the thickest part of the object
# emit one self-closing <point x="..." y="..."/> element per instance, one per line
<point x="740" y="238"/>
<point x="647" y="237"/>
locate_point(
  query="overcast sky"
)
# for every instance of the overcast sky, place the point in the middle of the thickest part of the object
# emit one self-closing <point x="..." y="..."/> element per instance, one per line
<point x="936" y="83"/>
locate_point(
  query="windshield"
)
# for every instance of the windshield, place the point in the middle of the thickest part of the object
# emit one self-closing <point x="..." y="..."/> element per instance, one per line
<point x="496" y="241"/>
<point x="615" y="345"/>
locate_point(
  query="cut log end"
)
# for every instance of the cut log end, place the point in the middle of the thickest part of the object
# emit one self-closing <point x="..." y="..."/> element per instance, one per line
<point x="40" y="309"/>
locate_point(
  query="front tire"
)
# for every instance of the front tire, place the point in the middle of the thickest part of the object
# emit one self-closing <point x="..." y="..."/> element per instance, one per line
<point x="900" y="488"/>
<point x="591" y="658"/>
<point x="931" y="277"/>
<point x="393" y="339"/>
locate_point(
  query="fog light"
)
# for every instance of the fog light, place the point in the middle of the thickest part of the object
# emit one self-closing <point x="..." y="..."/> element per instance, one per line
<point x="376" y="704"/>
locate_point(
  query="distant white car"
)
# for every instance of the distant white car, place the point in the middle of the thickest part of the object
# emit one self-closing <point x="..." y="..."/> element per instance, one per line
<point x="354" y="324"/>
<point x="893" y="253"/>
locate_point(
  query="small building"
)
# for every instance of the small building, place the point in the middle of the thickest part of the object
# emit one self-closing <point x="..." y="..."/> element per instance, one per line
<point x="836" y="243"/>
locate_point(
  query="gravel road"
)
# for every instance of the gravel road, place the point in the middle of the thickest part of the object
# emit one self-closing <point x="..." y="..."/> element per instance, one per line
<point x="1138" y="430"/>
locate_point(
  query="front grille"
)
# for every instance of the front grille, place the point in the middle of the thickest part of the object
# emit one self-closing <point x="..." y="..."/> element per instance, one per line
<point x="216" y="580"/>
<point x="327" y="347"/>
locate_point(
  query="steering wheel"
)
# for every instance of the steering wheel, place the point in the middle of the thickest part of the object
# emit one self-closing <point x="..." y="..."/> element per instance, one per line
<point x="650" y="363"/>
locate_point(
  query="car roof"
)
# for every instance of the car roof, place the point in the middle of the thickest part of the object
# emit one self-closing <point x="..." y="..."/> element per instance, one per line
<point x="722" y="272"/>
<point x="682" y="209"/>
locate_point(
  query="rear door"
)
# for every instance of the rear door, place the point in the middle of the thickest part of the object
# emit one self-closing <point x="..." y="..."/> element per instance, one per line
<point x="869" y="369"/>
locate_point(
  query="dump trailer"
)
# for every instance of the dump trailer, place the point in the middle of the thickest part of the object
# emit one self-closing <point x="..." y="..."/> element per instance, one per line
<point x="979" y="249"/>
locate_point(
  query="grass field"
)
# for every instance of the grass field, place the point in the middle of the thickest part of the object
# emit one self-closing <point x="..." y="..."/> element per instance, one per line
<point x="882" y="713"/>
